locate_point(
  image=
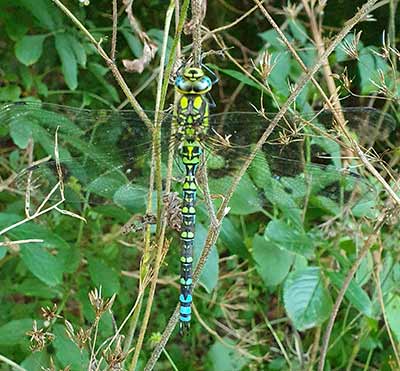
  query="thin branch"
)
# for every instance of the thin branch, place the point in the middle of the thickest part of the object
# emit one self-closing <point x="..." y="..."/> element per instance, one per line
<point x="11" y="363"/>
<point x="114" y="30"/>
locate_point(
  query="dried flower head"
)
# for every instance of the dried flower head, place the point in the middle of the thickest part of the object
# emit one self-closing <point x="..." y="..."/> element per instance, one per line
<point x="81" y="337"/>
<point x="99" y="304"/>
<point x="50" y="314"/>
<point x="267" y="64"/>
<point x="116" y="357"/>
<point x="38" y="338"/>
<point x="350" y="47"/>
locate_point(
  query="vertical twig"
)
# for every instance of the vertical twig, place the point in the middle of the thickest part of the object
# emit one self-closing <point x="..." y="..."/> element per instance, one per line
<point x="114" y="30"/>
<point x="198" y="14"/>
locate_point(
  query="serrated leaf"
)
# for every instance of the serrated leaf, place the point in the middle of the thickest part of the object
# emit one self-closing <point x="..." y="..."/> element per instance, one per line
<point x="69" y="65"/>
<point x="29" y="49"/>
<point x="354" y="294"/>
<point x="289" y="238"/>
<point x="273" y="263"/>
<point x="307" y="302"/>
<point x="104" y="276"/>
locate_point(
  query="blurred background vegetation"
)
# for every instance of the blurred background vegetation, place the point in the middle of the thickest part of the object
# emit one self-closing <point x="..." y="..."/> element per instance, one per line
<point x="44" y="57"/>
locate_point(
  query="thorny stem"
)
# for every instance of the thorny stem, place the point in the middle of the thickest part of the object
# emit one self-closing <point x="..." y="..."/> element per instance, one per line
<point x="214" y="231"/>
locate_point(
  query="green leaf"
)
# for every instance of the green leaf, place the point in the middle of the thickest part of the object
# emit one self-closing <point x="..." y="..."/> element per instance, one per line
<point x="224" y="358"/>
<point x="42" y="264"/>
<point x="237" y="75"/>
<point x="35" y="288"/>
<point x="20" y="132"/>
<point x="29" y="49"/>
<point x="69" y="65"/>
<point x="10" y="93"/>
<point x="307" y="301"/>
<point x="271" y="37"/>
<point x="245" y="200"/>
<point x="3" y="252"/>
<point x="36" y="361"/>
<point x="280" y="73"/>
<point x="104" y="276"/>
<point x="99" y="71"/>
<point x="369" y="64"/>
<point x="45" y="13"/>
<point x="132" y="197"/>
<point x="276" y="194"/>
<point x="393" y="314"/>
<point x="67" y="353"/>
<point x="209" y="275"/>
<point x="79" y="50"/>
<point x="354" y="294"/>
<point x="289" y="238"/>
<point x="297" y="30"/>
<point x="14" y="332"/>
<point x="273" y="263"/>
<point x="232" y="239"/>
<point x="133" y="42"/>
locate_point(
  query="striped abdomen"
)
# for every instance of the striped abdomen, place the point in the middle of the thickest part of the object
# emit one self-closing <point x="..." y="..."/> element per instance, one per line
<point x="192" y="120"/>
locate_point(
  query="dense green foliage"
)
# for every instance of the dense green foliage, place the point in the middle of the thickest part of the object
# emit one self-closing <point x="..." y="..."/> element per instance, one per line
<point x="269" y="285"/>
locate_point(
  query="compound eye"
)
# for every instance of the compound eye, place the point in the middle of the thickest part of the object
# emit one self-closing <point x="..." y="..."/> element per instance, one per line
<point x="182" y="84"/>
<point x="203" y="84"/>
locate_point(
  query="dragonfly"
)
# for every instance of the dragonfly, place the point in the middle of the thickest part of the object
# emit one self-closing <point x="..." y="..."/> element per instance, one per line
<point x="304" y="170"/>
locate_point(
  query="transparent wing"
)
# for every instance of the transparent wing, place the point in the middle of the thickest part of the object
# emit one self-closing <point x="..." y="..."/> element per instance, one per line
<point x="99" y="151"/>
<point x="105" y="157"/>
<point x="305" y="164"/>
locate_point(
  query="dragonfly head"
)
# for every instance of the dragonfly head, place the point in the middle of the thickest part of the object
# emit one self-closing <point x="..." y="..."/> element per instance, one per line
<point x="193" y="81"/>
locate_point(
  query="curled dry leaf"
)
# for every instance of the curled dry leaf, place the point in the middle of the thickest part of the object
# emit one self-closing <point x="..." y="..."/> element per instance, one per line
<point x="138" y="65"/>
<point x="149" y="47"/>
